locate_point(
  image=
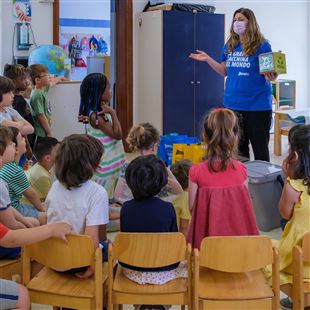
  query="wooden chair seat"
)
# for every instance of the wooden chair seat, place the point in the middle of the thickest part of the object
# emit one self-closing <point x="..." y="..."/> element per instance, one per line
<point x="11" y="269"/>
<point x="48" y="280"/>
<point x="285" y="130"/>
<point x="237" y="286"/>
<point x="60" y="289"/>
<point x="123" y="284"/>
<point x="146" y="250"/>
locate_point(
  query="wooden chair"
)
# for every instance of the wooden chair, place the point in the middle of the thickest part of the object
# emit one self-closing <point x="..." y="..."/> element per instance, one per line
<point x="228" y="275"/>
<point x="148" y="250"/>
<point x="62" y="289"/>
<point x="299" y="290"/>
<point x="11" y="269"/>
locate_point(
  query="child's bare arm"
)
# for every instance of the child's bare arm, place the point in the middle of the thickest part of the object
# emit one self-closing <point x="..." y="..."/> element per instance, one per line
<point x="114" y="129"/>
<point x="26" y="221"/>
<point x="44" y="123"/>
<point x="22" y="237"/>
<point x="8" y="219"/>
<point x="173" y="184"/>
<point x="17" y="124"/>
<point x="27" y="128"/>
<point x="192" y="193"/>
<point x="58" y="79"/>
<point x="24" y="127"/>
<point x="184" y="226"/>
<point x="287" y="201"/>
<point x="34" y="198"/>
<point x="93" y="232"/>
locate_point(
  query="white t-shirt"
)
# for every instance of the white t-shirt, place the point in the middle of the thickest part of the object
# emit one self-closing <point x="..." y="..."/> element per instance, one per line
<point x="9" y="114"/>
<point x="5" y="201"/>
<point x="87" y="205"/>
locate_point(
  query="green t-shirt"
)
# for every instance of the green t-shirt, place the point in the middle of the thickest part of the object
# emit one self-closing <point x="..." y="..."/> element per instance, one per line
<point x="16" y="180"/>
<point x="40" y="104"/>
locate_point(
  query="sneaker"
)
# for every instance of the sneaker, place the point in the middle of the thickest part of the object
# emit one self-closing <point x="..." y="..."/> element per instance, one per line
<point x="286" y="303"/>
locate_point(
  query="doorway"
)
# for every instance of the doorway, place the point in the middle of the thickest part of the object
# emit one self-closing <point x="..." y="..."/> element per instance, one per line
<point x="123" y="58"/>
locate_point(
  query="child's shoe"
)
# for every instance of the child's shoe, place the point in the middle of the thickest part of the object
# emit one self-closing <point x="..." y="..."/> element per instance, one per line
<point x="286" y="303"/>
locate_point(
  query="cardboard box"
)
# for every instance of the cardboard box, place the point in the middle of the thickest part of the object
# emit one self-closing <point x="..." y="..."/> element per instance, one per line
<point x="272" y="62"/>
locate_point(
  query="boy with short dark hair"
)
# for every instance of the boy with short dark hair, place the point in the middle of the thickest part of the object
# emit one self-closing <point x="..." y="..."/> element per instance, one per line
<point x="39" y="175"/>
<point x="8" y="115"/>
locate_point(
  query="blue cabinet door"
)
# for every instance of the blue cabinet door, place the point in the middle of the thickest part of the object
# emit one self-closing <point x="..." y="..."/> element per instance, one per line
<point x="178" y="72"/>
<point x="209" y="85"/>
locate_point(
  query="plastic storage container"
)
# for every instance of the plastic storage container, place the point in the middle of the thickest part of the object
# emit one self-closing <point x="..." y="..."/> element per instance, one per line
<point x="265" y="189"/>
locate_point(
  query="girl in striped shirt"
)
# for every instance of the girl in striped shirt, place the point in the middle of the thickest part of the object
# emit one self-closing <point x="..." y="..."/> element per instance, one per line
<point x="104" y="125"/>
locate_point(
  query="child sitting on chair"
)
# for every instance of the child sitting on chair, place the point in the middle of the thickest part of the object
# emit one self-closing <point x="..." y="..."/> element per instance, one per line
<point x="180" y="170"/>
<point x="74" y="198"/>
<point x="146" y="176"/>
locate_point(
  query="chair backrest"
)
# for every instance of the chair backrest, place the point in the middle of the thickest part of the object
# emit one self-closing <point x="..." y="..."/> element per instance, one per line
<point x="236" y="254"/>
<point x="306" y="247"/>
<point x="148" y="250"/>
<point x="60" y="255"/>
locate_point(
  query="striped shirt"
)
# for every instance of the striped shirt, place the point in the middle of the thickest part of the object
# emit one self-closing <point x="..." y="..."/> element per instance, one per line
<point x="111" y="162"/>
<point x="16" y="180"/>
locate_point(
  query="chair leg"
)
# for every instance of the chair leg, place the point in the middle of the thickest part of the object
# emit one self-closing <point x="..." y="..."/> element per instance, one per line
<point x="120" y="307"/>
<point x="183" y="307"/>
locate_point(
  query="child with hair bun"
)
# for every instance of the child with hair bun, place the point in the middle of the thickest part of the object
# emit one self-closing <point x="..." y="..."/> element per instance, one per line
<point x="218" y="195"/>
<point x="143" y="139"/>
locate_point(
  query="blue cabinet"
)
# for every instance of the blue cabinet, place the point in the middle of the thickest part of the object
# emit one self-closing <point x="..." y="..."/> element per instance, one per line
<point x="173" y="91"/>
<point x="190" y="88"/>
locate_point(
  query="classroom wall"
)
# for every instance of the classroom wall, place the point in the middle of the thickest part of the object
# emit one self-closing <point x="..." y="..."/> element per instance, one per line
<point x="42" y="25"/>
<point x="283" y="23"/>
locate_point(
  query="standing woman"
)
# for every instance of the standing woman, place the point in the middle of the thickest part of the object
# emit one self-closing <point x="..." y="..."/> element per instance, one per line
<point x="247" y="91"/>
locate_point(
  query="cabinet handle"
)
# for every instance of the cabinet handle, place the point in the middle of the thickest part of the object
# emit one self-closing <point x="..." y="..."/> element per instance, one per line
<point x="192" y="82"/>
<point x="198" y="82"/>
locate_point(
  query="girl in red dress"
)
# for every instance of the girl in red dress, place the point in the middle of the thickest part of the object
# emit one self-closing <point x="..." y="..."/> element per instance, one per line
<point x="218" y="195"/>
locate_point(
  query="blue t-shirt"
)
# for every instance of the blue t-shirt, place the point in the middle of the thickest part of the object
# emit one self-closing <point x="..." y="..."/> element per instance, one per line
<point x="148" y="215"/>
<point x="246" y="89"/>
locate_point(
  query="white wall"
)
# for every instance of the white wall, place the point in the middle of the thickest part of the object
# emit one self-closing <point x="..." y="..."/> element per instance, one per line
<point x="284" y="23"/>
<point x="42" y="25"/>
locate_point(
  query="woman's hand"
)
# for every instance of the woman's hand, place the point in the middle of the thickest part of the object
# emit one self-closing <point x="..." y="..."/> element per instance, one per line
<point x="199" y="55"/>
<point x="271" y="76"/>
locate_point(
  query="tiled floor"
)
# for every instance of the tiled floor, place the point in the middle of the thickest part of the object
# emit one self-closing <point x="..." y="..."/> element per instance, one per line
<point x="274" y="234"/>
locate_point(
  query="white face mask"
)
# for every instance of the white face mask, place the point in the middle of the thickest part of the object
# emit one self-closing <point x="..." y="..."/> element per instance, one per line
<point x="239" y="27"/>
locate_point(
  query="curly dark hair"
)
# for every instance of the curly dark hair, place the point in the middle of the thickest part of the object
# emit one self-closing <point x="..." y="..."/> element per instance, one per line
<point x="146" y="176"/>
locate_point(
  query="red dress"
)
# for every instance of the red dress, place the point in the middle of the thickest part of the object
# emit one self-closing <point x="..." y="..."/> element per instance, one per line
<point x="223" y="204"/>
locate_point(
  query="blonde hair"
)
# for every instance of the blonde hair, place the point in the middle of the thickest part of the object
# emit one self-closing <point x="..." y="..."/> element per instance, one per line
<point x="14" y="71"/>
<point x="252" y="37"/>
<point x="35" y="71"/>
<point x="221" y="134"/>
<point x="142" y="137"/>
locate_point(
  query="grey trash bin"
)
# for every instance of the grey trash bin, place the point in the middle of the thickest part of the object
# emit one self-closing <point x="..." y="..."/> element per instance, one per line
<point x="265" y="190"/>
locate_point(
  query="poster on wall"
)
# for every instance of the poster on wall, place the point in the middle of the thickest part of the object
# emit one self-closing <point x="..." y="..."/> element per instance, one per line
<point x="22" y="10"/>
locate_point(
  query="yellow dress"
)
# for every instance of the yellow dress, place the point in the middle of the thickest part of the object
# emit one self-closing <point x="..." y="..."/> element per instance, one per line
<point x="293" y="233"/>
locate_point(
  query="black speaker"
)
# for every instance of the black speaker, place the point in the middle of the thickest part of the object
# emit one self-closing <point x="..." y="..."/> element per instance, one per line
<point x="22" y="60"/>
